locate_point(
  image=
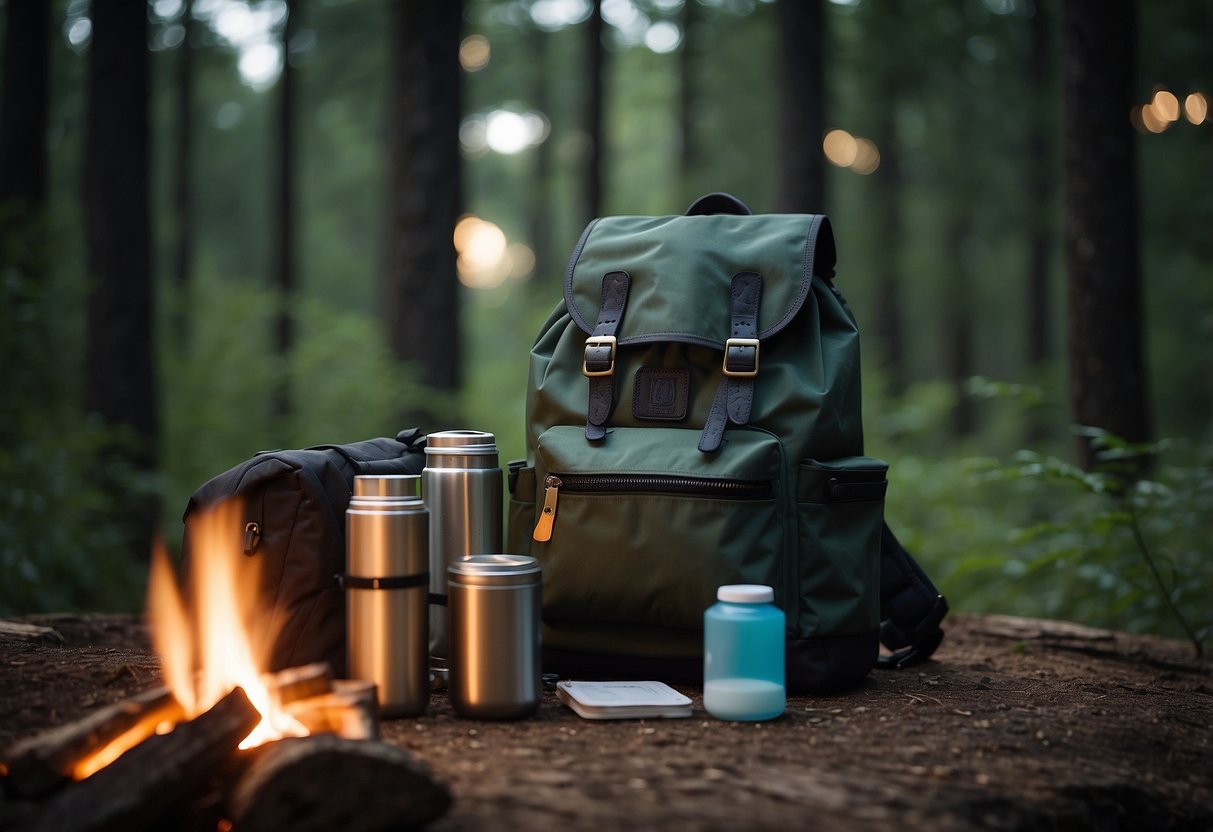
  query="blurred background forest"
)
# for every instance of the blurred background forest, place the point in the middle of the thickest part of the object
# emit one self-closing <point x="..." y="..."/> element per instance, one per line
<point x="231" y="225"/>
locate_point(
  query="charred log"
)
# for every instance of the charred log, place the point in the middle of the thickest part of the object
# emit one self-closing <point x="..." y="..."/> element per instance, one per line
<point x="325" y="782"/>
<point x="39" y="765"/>
<point x="144" y="785"/>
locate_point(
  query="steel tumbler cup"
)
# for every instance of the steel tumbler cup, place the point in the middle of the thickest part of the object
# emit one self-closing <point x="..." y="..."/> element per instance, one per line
<point x="462" y="486"/>
<point x="387" y="583"/>
<point x="495" y="656"/>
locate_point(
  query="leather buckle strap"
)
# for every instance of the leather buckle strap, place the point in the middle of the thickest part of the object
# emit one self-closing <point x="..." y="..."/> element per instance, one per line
<point x="735" y="397"/>
<point x="598" y="364"/>
<point x="741" y="357"/>
<point x="599" y="357"/>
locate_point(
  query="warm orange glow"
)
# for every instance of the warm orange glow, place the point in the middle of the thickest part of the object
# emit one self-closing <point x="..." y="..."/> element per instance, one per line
<point x="1196" y="108"/>
<point x="840" y="148"/>
<point x="483" y="260"/>
<point x="216" y="642"/>
<point x="474" y="53"/>
<point x="847" y="151"/>
<point x="867" y="157"/>
<point x="118" y="746"/>
<point x="1165" y="105"/>
<point x="1153" y="120"/>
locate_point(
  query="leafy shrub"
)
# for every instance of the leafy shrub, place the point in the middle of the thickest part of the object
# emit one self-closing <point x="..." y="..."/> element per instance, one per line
<point x="1031" y="534"/>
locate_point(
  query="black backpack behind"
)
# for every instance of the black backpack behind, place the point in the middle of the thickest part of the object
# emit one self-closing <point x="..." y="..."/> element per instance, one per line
<point x="293" y="527"/>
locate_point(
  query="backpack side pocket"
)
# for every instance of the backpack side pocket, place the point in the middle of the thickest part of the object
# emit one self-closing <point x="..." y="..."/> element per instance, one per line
<point x="840" y="508"/>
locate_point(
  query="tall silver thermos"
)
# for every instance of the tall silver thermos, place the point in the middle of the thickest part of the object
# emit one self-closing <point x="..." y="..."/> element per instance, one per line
<point x="462" y="486"/>
<point x="386" y="583"/>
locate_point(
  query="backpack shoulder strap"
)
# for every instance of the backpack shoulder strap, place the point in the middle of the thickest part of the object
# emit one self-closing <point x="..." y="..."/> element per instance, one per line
<point x="911" y="608"/>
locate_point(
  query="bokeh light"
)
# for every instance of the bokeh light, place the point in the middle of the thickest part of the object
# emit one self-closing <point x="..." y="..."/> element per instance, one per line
<point x="855" y="153"/>
<point x="1196" y="108"/>
<point x="474" y="53"/>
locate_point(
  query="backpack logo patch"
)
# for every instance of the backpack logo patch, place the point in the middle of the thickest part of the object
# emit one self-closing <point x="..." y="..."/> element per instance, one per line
<point x="660" y="394"/>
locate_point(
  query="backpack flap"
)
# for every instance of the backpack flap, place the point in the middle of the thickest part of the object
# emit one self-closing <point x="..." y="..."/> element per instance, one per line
<point x="721" y="282"/>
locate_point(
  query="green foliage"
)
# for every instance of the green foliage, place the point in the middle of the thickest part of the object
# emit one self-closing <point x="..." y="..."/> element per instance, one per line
<point x="1038" y="536"/>
<point x="60" y="547"/>
<point x="1131" y="550"/>
<point x="344" y="384"/>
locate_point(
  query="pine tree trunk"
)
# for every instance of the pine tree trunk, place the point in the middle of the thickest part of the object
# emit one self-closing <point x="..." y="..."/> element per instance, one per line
<point x="802" y="107"/>
<point x="688" y="155"/>
<point x="183" y="198"/>
<point x="23" y="109"/>
<point x="886" y="209"/>
<point x="596" y="53"/>
<point x="24" y="340"/>
<point x="285" y="278"/>
<point x="422" y="290"/>
<point x="119" y="368"/>
<point x="1041" y="174"/>
<point x="541" y="191"/>
<point x="1104" y="311"/>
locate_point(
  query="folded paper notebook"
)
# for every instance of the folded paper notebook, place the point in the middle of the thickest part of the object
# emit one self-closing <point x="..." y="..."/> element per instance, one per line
<point x="623" y="700"/>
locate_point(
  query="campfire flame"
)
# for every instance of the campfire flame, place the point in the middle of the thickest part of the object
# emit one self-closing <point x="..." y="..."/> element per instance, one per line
<point x="217" y="639"/>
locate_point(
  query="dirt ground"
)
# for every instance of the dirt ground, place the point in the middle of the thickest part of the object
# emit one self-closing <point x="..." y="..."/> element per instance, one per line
<point x="1017" y="725"/>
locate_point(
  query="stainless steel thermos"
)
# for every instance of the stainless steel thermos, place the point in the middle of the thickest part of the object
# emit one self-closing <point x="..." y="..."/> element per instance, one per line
<point x="462" y="485"/>
<point x="387" y="583"/>
<point x="494" y="604"/>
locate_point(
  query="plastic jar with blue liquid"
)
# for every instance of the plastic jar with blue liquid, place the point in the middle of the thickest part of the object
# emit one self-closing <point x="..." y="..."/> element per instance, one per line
<point x="743" y="654"/>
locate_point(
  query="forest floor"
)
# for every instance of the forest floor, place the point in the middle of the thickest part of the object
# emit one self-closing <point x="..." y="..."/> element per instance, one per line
<point x="1017" y="724"/>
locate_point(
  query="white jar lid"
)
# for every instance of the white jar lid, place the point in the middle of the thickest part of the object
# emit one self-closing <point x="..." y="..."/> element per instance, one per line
<point x="746" y="594"/>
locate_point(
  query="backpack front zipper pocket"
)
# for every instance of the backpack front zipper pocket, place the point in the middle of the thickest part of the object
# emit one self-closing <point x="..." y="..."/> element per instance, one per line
<point x="686" y="486"/>
<point x="640" y="529"/>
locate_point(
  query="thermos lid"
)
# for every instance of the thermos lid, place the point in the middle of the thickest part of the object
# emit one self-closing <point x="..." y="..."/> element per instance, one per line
<point x="386" y="485"/>
<point x="461" y="442"/>
<point x="495" y="570"/>
<point x="746" y="594"/>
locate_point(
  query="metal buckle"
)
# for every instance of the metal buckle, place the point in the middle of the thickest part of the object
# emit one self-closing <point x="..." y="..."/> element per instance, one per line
<point x="598" y="341"/>
<point x="740" y="342"/>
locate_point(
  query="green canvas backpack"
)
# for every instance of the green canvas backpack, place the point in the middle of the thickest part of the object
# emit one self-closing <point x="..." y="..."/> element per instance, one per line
<point x="693" y="419"/>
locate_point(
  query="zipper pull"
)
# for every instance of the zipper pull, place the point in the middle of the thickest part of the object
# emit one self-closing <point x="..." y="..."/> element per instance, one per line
<point x="551" y="490"/>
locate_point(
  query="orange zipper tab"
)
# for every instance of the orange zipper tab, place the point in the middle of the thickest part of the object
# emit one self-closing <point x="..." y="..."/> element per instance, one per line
<point x="551" y="490"/>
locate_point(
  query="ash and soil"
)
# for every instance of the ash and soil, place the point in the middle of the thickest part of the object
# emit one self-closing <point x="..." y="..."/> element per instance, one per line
<point x="1017" y="724"/>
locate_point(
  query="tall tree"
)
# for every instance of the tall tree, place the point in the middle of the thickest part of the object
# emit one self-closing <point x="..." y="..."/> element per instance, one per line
<point x="688" y="156"/>
<point x="540" y="190"/>
<point x="1104" y="313"/>
<point x="1039" y="186"/>
<point x="23" y="253"/>
<point x="960" y="278"/>
<point x="596" y="56"/>
<point x="119" y="372"/>
<point x="802" y="106"/>
<point x="23" y="106"/>
<point x="421" y="299"/>
<point x="285" y="277"/>
<point x="888" y="25"/>
<point x="183" y="200"/>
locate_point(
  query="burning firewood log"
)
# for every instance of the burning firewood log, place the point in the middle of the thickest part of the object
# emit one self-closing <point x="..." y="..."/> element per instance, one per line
<point x="39" y="765"/>
<point x="162" y="773"/>
<point x="321" y="783"/>
<point x="350" y="710"/>
<point x="302" y="682"/>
